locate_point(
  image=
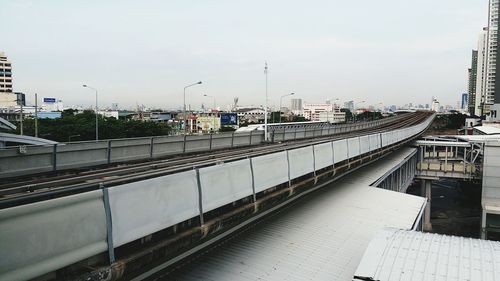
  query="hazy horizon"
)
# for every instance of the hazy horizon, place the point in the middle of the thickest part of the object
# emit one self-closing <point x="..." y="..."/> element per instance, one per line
<point x="389" y="51"/>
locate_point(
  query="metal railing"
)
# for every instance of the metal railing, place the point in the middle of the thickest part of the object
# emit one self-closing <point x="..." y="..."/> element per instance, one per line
<point x="31" y="159"/>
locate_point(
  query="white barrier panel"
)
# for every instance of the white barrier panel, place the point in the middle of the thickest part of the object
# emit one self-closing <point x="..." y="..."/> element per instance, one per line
<point x="323" y="155"/>
<point x="225" y="183"/>
<point x="301" y="161"/>
<point x="364" y="143"/>
<point x="42" y="237"/>
<point x="385" y="140"/>
<point x="270" y="170"/>
<point x="144" y="207"/>
<point x="374" y="142"/>
<point x="353" y="147"/>
<point x="340" y="152"/>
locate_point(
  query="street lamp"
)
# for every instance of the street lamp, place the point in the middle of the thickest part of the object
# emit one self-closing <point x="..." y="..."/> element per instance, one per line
<point x="185" y="119"/>
<point x="281" y="98"/>
<point x="213" y="110"/>
<point x="96" y="113"/>
<point x="265" y="105"/>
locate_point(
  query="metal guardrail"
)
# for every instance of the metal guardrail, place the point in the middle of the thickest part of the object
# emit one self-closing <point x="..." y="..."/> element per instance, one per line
<point x="32" y="159"/>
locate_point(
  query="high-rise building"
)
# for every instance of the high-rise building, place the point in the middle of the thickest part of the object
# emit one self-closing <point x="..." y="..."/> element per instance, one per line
<point x="5" y="74"/>
<point x="7" y="97"/>
<point x="465" y="101"/>
<point x="481" y="72"/>
<point x="472" y="83"/>
<point x="296" y="106"/>
<point x="491" y="54"/>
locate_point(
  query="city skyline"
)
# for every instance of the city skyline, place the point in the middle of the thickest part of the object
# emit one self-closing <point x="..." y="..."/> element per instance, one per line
<point x="319" y="51"/>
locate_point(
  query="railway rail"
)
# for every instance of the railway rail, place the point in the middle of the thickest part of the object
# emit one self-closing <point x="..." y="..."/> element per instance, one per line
<point x="48" y="186"/>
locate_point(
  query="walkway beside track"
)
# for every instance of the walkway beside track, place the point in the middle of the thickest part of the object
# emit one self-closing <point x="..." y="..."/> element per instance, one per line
<point x="321" y="237"/>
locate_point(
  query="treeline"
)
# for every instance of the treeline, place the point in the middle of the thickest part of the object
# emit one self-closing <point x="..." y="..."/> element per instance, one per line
<point x="81" y="127"/>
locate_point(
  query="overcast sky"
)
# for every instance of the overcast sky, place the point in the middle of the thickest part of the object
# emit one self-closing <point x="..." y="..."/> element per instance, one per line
<point x="145" y="52"/>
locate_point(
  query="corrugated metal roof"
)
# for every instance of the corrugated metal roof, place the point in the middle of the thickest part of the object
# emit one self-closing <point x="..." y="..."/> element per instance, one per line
<point x="410" y="255"/>
<point x="321" y="237"/>
<point x="478" y="138"/>
<point x="488" y="130"/>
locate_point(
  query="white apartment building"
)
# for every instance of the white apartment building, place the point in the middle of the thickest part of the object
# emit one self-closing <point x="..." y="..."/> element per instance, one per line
<point x="5" y="74"/>
<point x="7" y="97"/>
<point x="435" y="106"/>
<point x="312" y="111"/>
<point x="332" y="117"/>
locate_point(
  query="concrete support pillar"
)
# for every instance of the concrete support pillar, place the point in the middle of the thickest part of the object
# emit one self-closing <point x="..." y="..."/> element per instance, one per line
<point x="427" y="189"/>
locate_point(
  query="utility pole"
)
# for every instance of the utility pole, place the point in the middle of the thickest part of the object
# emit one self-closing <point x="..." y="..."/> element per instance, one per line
<point x="36" y="115"/>
<point x="22" y="131"/>
<point x="265" y="106"/>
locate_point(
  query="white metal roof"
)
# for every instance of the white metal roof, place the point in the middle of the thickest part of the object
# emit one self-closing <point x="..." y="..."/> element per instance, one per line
<point x="478" y="138"/>
<point x="410" y="255"/>
<point x="488" y="130"/>
<point x="321" y="237"/>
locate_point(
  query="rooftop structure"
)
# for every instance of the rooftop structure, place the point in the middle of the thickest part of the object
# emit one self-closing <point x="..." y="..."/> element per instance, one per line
<point x="411" y="255"/>
<point x="320" y="238"/>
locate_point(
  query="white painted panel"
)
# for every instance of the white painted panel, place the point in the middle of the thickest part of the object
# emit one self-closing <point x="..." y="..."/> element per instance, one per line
<point x="45" y="236"/>
<point x="225" y="183"/>
<point x="144" y="207"/>
<point x="393" y="137"/>
<point x="491" y="193"/>
<point x="270" y="170"/>
<point x="492" y="181"/>
<point x="340" y="150"/>
<point x="323" y="155"/>
<point x="490" y="171"/>
<point x="490" y="160"/>
<point x="491" y="150"/>
<point x="374" y="142"/>
<point x="353" y="147"/>
<point x="301" y="161"/>
<point x="364" y="142"/>
<point x="385" y="139"/>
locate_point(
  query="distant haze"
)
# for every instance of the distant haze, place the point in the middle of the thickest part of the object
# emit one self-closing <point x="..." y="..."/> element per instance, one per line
<point x="145" y="52"/>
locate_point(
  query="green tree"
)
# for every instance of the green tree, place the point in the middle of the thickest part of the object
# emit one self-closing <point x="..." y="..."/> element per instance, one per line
<point x="348" y="114"/>
<point x="81" y="127"/>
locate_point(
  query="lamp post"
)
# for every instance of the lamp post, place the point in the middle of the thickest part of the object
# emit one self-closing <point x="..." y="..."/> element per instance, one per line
<point x="21" y="104"/>
<point x="265" y="106"/>
<point x="96" y="113"/>
<point x="281" y="98"/>
<point x="36" y="115"/>
<point x="185" y="117"/>
<point x="213" y="110"/>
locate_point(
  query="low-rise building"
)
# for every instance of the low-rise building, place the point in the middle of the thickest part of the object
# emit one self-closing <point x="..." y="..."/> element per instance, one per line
<point x="332" y="117"/>
<point x="251" y="114"/>
<point x="312" y="111"/>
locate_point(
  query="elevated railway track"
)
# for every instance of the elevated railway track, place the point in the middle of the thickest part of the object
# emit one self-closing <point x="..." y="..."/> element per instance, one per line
<point x="19" y="190"/>
<point x="114" y="222"/>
